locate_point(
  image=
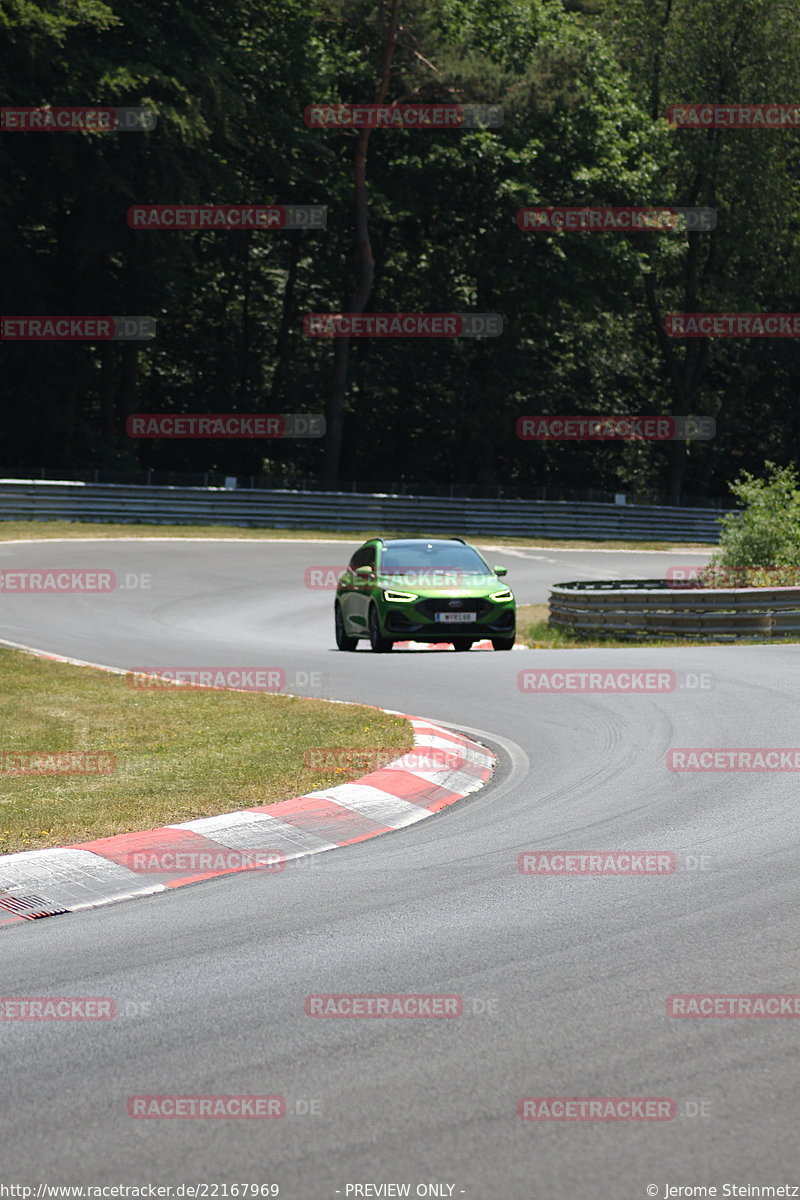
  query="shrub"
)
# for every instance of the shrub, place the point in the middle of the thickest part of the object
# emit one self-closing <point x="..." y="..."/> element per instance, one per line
<point x="764" y="536"/>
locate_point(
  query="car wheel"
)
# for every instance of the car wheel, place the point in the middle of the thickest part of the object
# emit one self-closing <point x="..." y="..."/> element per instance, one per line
<point x="463" y="644"/>
<point x="343" y="640"/>
<point x="378" y="643"/>
<point x="503" y="643"/>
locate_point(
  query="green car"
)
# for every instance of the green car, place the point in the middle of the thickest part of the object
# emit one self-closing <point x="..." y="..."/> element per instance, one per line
<point x="413" y="589"/>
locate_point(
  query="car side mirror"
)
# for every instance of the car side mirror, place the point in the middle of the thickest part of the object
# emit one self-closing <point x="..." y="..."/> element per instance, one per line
<point x="501" y="571"/>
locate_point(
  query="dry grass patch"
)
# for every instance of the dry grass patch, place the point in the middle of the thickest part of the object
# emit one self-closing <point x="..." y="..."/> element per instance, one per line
<point x="180" y="752"/>
<point x="84" y="529"/>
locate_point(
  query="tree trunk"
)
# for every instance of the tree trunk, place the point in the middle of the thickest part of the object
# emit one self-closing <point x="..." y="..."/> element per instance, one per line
<point x="107" y="406"/>
<point x="288" y="315"/>
<point x="130" y="371"/>
<point x="365" y="266"/>
<point x="685" y="373"/>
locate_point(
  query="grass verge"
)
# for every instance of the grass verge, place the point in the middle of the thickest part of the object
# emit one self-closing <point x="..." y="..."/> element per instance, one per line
<point x="84" y="529"/>
<point x="180" y="753"/>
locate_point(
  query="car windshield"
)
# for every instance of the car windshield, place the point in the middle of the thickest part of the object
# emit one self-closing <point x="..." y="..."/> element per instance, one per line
<point x="401" y="558"/>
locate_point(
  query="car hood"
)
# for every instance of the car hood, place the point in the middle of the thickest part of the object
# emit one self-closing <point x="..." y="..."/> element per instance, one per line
<point x="471" y="585"/>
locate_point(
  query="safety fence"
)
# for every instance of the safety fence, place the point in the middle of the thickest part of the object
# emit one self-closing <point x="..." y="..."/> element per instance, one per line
<point x="22" y="500"/>
<point x="634" y="608"/>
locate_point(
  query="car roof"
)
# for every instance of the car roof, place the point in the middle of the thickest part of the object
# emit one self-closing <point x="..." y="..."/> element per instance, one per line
<point x="420" y="541"/>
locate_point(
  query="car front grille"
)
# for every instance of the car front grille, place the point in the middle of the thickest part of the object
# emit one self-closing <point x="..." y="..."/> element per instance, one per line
<point x="476" y="605"/>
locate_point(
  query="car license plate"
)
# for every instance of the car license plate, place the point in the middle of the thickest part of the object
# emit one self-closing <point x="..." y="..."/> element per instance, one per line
<point x="454" y="617"/>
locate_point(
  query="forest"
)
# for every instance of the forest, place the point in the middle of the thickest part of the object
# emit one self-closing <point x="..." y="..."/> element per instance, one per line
<point x="573" y="105"/>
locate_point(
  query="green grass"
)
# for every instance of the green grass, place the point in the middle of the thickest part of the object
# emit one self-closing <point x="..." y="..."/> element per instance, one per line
<point x="180" y="753"/>
<point x="83" y="529"/>
<point x="534" y="630"/>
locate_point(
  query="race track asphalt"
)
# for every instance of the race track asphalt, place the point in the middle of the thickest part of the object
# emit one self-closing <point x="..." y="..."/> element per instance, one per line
<point x="564" y="980"/>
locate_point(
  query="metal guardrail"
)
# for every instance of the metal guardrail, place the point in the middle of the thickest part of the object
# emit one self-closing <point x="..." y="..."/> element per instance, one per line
<point x="633" y="608"/>
<point x="507" y="490"/>
<point x="24" y="500"/>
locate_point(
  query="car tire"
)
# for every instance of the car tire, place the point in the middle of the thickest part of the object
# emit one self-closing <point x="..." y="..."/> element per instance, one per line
<point x="378" y="643"/>
<point x="503" y="643"/>
<point x="343" y="640"/>
<point x="463" y="644"/>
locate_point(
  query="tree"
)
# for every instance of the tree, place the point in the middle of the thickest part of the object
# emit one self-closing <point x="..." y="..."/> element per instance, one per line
<point x="719" y="52"/>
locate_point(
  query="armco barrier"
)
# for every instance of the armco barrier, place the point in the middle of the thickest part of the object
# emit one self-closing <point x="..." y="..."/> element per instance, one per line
<point x="28" y="499"/>
<point x="632" y="608"/>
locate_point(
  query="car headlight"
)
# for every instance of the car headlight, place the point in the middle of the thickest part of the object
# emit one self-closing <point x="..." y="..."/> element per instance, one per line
<point x="506" y="594"/>
<point x="388" y="595"/>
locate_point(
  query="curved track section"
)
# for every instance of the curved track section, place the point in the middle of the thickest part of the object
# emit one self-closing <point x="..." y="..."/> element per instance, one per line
<point x="563" y="981"/>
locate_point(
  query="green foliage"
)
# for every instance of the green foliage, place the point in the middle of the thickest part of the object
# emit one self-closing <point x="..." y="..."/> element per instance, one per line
<point x="766" y="534"/>
<point x="722" y="52"/>
<point x="583" y="84"/>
